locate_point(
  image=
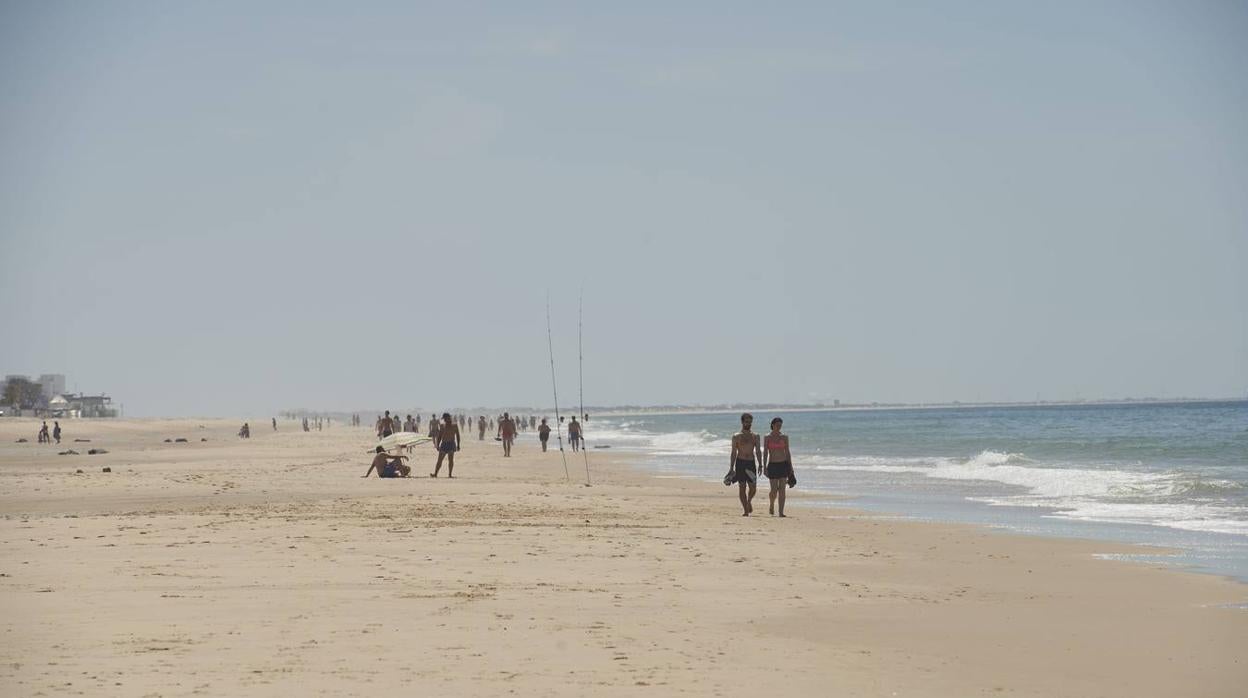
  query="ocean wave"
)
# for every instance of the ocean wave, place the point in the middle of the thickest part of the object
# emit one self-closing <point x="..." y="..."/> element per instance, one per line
<point x="678" y="443"/>
<point x="1109" y="495"/>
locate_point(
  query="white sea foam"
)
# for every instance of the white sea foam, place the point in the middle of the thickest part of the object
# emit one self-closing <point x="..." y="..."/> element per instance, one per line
<point x="678" y="443"/>
<point x="1109" y="495"/>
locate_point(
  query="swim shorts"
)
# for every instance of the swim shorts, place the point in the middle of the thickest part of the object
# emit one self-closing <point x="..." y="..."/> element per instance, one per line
<point x="746" y="471"/>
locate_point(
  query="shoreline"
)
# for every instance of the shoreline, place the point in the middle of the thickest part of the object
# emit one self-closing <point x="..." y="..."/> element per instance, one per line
<point x="233" y="567"/>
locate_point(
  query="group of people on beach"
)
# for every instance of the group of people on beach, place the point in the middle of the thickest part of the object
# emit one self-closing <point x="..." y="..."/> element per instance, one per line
<point x="749" y="452"/>
<point x="45" y="437"/>
<point x="446" y="437"/>
<point x="772" y="452"/>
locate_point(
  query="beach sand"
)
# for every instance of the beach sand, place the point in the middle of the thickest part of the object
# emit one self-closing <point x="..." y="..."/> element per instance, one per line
<point x="270" y="567"/>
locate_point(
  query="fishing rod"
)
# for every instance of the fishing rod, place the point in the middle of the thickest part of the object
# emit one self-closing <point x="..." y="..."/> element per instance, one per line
<point x="555" y="388"/>
<point x="580" y="356"/>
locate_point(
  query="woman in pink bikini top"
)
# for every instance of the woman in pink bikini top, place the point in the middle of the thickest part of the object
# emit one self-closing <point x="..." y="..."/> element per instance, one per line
<point x="777" y="464"/>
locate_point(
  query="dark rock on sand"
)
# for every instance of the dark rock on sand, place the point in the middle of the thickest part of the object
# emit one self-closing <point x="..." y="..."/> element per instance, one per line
<point x="70" y="452"/>
<point x="96" y="451"/>
<point x="82" y="441"/>
<point x="107" y="470"/>
<point x="179" y="441"/>
<point x="21" y="441"/>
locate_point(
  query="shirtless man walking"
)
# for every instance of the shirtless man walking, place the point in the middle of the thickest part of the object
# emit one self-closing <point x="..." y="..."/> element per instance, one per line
<point x="743" y="469"/>
<point x="507" y="430"/>
<point x="448" y="444"/>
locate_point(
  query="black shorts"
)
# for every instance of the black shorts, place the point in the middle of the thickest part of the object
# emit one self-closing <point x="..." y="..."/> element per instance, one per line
<point x="447" y="447"/>
<point x="779" y="470"/>
<point x="746" y="470"/>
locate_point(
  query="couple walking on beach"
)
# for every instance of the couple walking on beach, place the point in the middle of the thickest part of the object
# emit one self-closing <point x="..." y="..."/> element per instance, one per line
<point x="774" y="455"/>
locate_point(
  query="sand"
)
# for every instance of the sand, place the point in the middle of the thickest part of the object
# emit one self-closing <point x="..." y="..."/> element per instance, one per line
<point x="270" y="567"/>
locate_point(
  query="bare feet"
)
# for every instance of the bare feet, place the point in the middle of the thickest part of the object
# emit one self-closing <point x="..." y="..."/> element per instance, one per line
<point x="433" y="474"/>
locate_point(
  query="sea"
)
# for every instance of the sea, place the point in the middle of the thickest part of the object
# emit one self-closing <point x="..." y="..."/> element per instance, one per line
<point x="1173" y="475"/>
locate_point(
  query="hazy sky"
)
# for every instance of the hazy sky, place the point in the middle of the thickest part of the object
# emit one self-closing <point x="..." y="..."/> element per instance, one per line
<point x="229" y="208"/>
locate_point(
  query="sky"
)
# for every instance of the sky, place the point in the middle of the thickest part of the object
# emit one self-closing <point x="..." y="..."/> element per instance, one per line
<point x="231" y="208"/>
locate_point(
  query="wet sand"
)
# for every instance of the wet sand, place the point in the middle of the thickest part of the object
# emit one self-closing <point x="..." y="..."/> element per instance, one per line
<point x="270" y="567"/>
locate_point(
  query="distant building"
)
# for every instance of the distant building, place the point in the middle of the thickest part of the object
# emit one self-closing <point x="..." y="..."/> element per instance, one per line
<point x="82" y="406"/>
<point x="51" y="400"/>
<point x="52" y="384"/>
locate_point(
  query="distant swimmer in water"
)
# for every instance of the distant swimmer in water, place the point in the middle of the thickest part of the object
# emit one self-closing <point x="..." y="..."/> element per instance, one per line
<point x="387" y="465"/>
<point x="777" y="464"/>
<point x="448" y="444"/>
<point x="743" y="468"/>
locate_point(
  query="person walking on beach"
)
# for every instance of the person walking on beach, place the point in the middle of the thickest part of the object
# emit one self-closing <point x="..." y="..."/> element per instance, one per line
<point x="274" y="423"/>
<point x="387" y="465"/>
<point x="448" y="444"/>
<point x="56" y="431"/>
<point x="777" y="464"/>
<point x="43" y="433"/>
<point x="507" y="430"/>
<point x="743" y="468"/>
<point x="434" y="428"/>
<point x="543" y="434"/>
<point x="574" y="434"/>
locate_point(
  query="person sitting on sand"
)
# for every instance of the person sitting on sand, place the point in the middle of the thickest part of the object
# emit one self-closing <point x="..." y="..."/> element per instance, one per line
<point x="448" y="444"/>
<point x="387" y="465"/>
<point x="507" y="430"/>
<point x="777" y="464"/>
<point x="743" y="468"/>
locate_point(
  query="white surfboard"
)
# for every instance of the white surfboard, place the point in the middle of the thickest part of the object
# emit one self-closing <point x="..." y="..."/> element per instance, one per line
<point x="399" y="440"/>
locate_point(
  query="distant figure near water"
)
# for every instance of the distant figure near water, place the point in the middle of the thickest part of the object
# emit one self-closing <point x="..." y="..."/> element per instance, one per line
<point x="56" y="431"/>
<point x="481" y="428"/>
<point x="743" y="466"/>
<point x="507" y="430"/>
<point x="543" y="434"/>
<point x="574" y="434"/>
